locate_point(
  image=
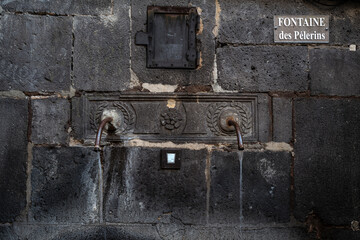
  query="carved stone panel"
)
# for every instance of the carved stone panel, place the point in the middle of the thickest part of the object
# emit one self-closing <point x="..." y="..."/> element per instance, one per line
<point x="170" y="117"/>
<point x="124" y="110"/>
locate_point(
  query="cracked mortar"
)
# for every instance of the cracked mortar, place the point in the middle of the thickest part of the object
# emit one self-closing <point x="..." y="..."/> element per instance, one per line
<point x="278" y="146"/>
<point x="217" y="19"/>
<point x="134" y="80"/>
<point x="191" y="146"/>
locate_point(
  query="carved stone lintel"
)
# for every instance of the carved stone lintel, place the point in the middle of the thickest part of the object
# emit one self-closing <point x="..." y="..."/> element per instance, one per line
<point x="195" y="118"/>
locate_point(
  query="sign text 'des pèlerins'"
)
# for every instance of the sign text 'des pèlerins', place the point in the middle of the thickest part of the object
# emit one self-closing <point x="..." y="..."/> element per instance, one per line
<point x="301" y="29"/>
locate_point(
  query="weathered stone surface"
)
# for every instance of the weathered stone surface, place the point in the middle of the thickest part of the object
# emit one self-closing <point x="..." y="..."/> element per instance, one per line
<point x="132" y="232"/>
<point x="173" y="230"/>
<point x="265" y="183"/>
<point x="235" y="232"/>
<point x="6" y="232"/>
<point x="253" y="21"/>
<point x="334" y="234"/>
<point x="50" y="120"/>
<point x="77" y="112"/>
<point x="137" y="190"/>
<point x="13" y="157"/>
<point x="141" y="201"/>
<point x="344" y="23"/>
<point x="263" y="68"/>
<point x="35" y="53"/>
<point x="202" y="75"/>
<point x="225" y="188"/>
<point x="101" y="52"/>
<point x="264" y="103"/>
<point x="282" y="117"/>
<point x="341" y="234"/>
<point x="327" y="169"/>
<point x="56" y="232"/>
<point x="146" y="231"/>
<point x="92" y="7"/>
<point x="335" y="71"/>
<point x="65" y="185"/>
<point x="79" y="232"/>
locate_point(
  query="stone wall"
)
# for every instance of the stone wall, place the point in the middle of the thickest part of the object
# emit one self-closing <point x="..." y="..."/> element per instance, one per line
<point x="302" y="173"/>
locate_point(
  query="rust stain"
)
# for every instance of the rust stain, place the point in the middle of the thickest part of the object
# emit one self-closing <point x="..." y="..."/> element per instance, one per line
<point x="314" y="224"/>
<point x="171" y="103"/>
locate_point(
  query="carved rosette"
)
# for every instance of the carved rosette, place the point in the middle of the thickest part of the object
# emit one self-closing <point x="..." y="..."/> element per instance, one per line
<point x="216" y="111"/>
<point x="126" y="113"/>
<point x="171" y="119"/>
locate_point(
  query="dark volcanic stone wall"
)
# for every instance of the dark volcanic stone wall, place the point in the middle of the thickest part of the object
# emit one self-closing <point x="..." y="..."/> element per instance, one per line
<point x="302" y="174"/>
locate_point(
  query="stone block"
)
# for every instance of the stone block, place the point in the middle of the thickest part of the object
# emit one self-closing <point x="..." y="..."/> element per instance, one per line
<point x="263" y="68"/>
<point x="137" y="190"/>
<point x="326" y="168"/>
<point x="101" y="52"/>
<point x="225" y="188"/>
<point x="264" y="104"/>
<point x="93" y="7"/>
<point x="266" y="183"/>
<point x="265" y="179"/>
<point x="341" y="234"/>
<point x="50" y="121"/>
<point x="282" y="119"/>
<point x="252" y="22"/>
<point x="132" y="231"/>
<point x="65" y="185"/>
<point x="13" y="158"/>
<point x="182" y="77"/>
<point x="173" y="230"/>
<point x="344" y="24"/>
<point x="35" y="53"/>
<point x="56" y="232"/>
<point x="334" y="233"/>
<point x="79" y="232"/>
<point x="335" y="71"/>
<point x="235" y="232"/>
<point x="6" y="232"/>
<point x="77" y="115"/>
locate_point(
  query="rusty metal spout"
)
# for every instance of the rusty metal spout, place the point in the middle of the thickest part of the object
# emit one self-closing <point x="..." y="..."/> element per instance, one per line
<point x="99" y="132"/>
<point x="230" y="121"/>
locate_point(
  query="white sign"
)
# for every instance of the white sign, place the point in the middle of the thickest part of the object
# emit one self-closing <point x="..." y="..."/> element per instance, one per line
<point x="301" y="29"/>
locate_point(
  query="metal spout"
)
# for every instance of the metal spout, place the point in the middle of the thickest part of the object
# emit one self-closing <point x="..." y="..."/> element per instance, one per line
<point x="99" y="132"/>
<point x="230" y="121"/>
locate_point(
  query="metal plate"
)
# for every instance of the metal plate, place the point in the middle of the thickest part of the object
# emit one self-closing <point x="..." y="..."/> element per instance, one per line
<point x="164" y="159"/>
<point x="301" y="29"/>
<point x="170" y="37"/>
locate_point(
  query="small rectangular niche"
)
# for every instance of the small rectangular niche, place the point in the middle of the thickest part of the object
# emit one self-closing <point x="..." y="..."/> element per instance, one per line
<point x="171" y="37"/>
